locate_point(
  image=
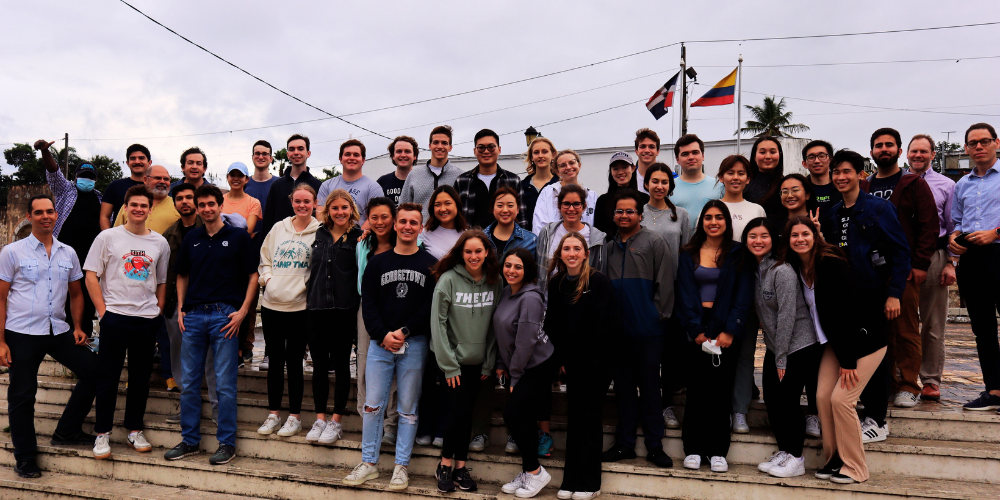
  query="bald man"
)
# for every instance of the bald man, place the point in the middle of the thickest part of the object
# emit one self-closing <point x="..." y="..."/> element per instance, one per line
<point x="163" y="214"/>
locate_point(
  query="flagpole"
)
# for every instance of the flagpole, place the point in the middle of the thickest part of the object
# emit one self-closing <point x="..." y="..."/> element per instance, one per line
<point x="684" y="91"/>
<point x="739" y="102"/>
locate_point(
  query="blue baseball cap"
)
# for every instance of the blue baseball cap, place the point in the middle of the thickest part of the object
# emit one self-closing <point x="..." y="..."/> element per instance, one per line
<point x="239" y="167"/>
<point x="87" y="171"/>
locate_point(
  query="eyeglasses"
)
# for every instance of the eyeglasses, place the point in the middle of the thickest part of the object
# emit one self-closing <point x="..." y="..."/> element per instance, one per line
<point x="982" y="142"/>
<point x="572" y="204"/>
<point x="482" y="148"/>
<point x="786" y="192"/>
<point x="261" y="154"/>
<point x="159" y="178"/>
<point x="571" y="163"/>
<point x="820" y="156"/>
<point x="627" y="211"/>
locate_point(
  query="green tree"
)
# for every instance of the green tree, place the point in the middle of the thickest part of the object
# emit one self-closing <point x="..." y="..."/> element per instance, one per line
<point x="281" y="158"/>
<point x="330" y="173"/>
<point x="771" y="119"/>
<point x="28" y="169"/>
<point x="107" y="170"/>
<point x="945" y="149"/>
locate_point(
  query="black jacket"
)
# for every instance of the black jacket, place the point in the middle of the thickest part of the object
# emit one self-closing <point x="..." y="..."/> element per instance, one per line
<point x="278" y="206"/>
<point x="584" y="334"/>
<point x="733" y="297"/>
<point x="333" y="271"/>
<point x="837" y="301"/>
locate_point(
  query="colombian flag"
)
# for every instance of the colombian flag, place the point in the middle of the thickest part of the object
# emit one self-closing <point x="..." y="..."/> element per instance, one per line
<point x="721" y="93"/>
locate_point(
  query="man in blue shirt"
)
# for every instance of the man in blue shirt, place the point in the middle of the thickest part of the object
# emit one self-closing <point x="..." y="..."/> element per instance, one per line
<point x="35" y="275"/>
<point x="260" y="182"/>
<point x="216" y="282"/>
<point x="976" y="213"/>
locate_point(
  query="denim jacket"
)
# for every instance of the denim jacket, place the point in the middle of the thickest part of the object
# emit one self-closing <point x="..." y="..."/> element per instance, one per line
<point x="520" y="238"/>
<point x="733" y="297"/>
<point x="333" y="271"/>
<point x="874" y="227"/>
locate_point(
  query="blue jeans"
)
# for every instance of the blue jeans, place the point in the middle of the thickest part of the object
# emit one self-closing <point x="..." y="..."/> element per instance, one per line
<point x="408" y="369"/>
<point x="202" y="326"/>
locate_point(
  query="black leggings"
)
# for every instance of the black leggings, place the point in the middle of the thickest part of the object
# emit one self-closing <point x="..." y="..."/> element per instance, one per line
<point x="331" y="334"/>
<point x="285" y="335"/>
<point x="783" y="397"/>
<point x="461" y="400"/>
<point x="706" y="428"/>
<point x="522" y="410"/>
<point x="586" y="390"/>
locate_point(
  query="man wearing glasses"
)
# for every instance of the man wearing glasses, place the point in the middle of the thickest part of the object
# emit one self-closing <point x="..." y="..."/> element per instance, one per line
<point x="163" y="214"/>
<point x="976" y="214"/>
<point x="260" y="182"/>
<point x="639" y="265"/>
<point x="816" y="159"/>
<point x="138" y="160"/>
<point x="477" y="186"/>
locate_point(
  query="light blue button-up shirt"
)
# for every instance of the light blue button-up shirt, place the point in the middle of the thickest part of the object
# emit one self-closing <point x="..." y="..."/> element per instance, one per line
<point x="39" y="285"/>
<point x="977" y="201"/>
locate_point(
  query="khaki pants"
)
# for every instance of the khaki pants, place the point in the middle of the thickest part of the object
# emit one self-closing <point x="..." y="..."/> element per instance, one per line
<point x="933" y="316"/>
<point x="391" y="412"/>
<point x="837" y="417"/>
<point x="904" y="342"/>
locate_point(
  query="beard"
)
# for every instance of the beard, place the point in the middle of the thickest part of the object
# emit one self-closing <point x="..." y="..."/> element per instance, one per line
<point x="883" y="161"/>
<point x="160" y="191"/>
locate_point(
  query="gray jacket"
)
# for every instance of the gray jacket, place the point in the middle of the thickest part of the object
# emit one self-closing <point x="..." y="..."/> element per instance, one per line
<point x="420" y="183"/>
<point x="517" y="321"/>
<point x="782" y="310"/>
<point x="544" y="251"/>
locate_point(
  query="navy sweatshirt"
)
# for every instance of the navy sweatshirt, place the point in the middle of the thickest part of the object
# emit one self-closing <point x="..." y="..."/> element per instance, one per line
<point x="396" y="291"/>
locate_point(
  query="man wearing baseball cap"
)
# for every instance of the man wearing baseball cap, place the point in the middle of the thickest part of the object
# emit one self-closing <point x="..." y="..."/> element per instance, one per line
<point x="621" y="174"/>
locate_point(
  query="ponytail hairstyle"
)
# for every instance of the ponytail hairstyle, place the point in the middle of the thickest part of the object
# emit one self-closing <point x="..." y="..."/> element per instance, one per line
<point x="662" y="167"/>
<point x="455" y="257"/>
<point x="820" y="250"/>
<point x="560" y="269"/>
<point x="700" y="236"/>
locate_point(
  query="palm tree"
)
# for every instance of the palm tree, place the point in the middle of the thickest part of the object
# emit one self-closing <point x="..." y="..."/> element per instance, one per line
<point x="771" y="119"/>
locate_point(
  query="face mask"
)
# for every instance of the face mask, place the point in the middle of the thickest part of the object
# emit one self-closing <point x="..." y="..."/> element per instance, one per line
<point x="85" y="185"/>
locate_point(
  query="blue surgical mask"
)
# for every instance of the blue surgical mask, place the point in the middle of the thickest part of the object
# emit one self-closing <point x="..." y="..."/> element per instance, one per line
<point x="85" y="185"/>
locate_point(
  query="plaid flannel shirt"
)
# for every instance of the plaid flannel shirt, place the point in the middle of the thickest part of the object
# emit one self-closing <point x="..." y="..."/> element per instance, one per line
<point x="465" y="187"/>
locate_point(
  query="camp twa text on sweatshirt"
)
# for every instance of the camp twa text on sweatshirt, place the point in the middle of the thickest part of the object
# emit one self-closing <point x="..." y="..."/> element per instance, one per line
<point x="284" y="265"/>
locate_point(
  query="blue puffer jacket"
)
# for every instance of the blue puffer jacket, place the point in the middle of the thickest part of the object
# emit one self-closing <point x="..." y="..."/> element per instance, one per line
<point x="733" y="298"/>
<point x="873" y="226"/>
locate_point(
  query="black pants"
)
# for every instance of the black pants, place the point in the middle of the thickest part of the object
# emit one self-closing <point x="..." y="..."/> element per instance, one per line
<point x="706" y="425"/>
<point x="812" y="379"/>
<point x="876" y="394"/>
<point x="783" y="397"/>
<point x="89" y="311"/>
<point x="521" y="411"/>
<point x="121" y="335"/>
<point x="461" y="400"/>
<point x="586" y="390"/>
<point x="27" y="353"/>
<point x="978" y="277"/>
<point x="673" y="363"/>
<point x="332" y="333"/>
<point x="285" y="334"/>
<point x="638" y="367"/>
<point x="433" y="400"/>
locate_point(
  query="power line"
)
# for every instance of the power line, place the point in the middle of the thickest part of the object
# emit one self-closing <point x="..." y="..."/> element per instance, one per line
<point x="849" y="63"/>
<point x="834" y="35"/>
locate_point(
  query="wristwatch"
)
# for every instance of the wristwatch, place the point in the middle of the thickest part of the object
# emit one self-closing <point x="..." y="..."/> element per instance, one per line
<point x="406" y="331"/>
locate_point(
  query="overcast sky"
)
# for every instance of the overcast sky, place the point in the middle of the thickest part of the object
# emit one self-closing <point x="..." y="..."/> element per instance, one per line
<point x="99" y="70"/>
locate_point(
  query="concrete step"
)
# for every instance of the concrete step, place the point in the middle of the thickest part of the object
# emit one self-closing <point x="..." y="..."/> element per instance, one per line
<point x="272" y="479"/>
<point x="55" y="485"/>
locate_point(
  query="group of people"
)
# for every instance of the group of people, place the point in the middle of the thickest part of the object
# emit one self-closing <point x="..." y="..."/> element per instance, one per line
<point x="449" y="283"/>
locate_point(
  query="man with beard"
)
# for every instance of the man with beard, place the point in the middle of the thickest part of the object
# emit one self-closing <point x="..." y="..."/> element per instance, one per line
<point x="193" y="166"/>
<point x="138" y="160"/>
<point x="916" y="212"/>
<point x="163" y="214"/>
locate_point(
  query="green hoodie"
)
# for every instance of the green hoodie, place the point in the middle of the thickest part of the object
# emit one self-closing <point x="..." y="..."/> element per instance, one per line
<point x="461" y="322"/>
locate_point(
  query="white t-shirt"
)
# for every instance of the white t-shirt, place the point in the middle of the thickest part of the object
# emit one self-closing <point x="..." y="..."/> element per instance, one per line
<point x="487" y="178"/>
<point x="742" y="213"/>
<point x="436" y="170"/>
<point x="547" y="208"/>
<point x="640" y="180"/>
<point x="129" y="267"/>
<point x="810" y="295"/>
<point x="362" y="189"/>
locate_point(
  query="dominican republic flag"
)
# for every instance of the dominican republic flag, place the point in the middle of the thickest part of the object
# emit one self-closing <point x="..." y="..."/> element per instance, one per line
<point x="721" y="93"/>
<point x="663" y="98"/>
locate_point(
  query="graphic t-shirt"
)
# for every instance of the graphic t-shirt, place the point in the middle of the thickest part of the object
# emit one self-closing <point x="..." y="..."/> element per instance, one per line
<point x="825" y="197"/>
<point x="741" y="214"/>
<point x="844" y="222"/>
<point x="129" y="267"/>
<point x="396" y="291"/>
<point x="362" y="189"/>
<point x="884" y="187"/>
<point x="392" y="186"/>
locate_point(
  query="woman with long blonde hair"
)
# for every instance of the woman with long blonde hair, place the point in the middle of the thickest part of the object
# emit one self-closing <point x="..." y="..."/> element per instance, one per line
<point x="541" y="170"/>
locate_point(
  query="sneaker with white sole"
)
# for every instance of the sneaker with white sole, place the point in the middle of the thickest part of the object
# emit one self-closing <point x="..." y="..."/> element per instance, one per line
<point x="332" y="433"/>
<point x="791" y="466"/>
<point x="586" y="495"/>
<point x="316" y="431"/>
<point x="670" y="419"/>
<point x="511" y="448"/>
<point x="438" y="442"/>
<point x="423" y="440"/>
<point x="772" y="462"/>
<point x="514" y="485"/>
<point x="361" y="473"/>
<point x="264" y="363"/>
<point x="740" y="423"/>
<point x="872" y="433"/>
<point x="138" y="441"/>
<point x="533" y="483"/>
<point x="692" y="462"/>
<point x="271" y="423"/>
<point x="292" y="427"/>
<point x="905" y="399"/>
<point x="719" y="464"/>
<point x="479" y="442"/>
<point x="564" y="495"/>
<point x="812" y="426"/>
<point x="102" y="446"/>
<point x="400" y="478"/>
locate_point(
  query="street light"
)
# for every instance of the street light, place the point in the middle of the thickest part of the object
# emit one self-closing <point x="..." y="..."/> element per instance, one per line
<point x="531" y="134"/>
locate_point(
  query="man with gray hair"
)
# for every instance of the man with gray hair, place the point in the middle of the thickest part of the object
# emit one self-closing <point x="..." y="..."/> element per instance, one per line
<point x="163" y="214"/>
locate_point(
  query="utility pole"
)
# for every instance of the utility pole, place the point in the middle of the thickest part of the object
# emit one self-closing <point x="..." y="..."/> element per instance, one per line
<point x="947" y="140"/>
<point x="66" y="156"/>
<point x="739" y="104"/>
<point x="684" y="90"/>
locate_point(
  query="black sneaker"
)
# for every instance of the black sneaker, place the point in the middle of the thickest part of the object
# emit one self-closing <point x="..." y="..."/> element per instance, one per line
<point x="464" y="480"/>
<point x="446" y="483"/>
<point x="841" y="479"/>
<point x="831" y="468"/>
<point x="78" y="438"/>
<point x="182" y="450"/>
<point x="616" y="453"/>
<point x="27" y="469"/>
<point x="223" y="455"/>
<point x="984" y="402"/>
<point x="660" y="458"/>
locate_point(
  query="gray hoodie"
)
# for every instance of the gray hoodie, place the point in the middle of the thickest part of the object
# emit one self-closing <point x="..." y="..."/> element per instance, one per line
<point x="782" y="310"/>
<point x="517" y="322"/>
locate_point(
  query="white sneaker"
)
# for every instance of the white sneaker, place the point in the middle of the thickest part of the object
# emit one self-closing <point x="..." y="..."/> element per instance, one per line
<point x="264" y="363"/>
<point x="740" y="423"/>
<point x="812" y="426"/>
<point x="719" y="464"/>
<point x="669" y="419"/>
<point x="438" y="442"/>
<point x="316" y="431"/>
<point x="872" y="433"/>
<point x="479" y="442"/>
<point x="138" y="441"/>
<point x="102" y="447"/>
<point x="564" y="495"/>
<point x="789" y="467"/>
<point x="586" y="495"/>
<point x="514" y="485"/>
<point x="511" y="447"/>
<point x="331" y="433"/>
<point x="400" y="478"/>
<point x="905" y="399"/>
<point x="271" y="423"/>
<point x="692" y="462"/>
<point x="533" y="483"/>
<point x="772" y="462"/>
<point x="423" y="440"/>
<point x="292" y="427"/>
<point x="361" y="473"/>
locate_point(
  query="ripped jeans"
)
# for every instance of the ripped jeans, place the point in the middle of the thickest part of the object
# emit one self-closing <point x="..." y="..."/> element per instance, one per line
<point x="408" y="370"/>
